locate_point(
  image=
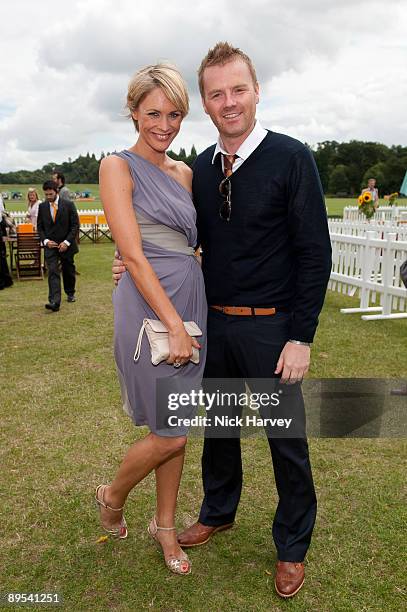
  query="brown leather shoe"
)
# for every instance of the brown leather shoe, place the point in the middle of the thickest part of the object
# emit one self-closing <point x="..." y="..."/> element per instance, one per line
<point x="289" y="578"/>
<point x="199" y="534"/>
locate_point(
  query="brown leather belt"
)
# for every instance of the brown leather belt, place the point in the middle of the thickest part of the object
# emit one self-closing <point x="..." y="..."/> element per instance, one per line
<point x="244" y="310"/>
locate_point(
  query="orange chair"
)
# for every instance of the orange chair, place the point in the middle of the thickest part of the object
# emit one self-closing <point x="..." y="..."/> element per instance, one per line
<point x="25" y="228"/>
<point x="89" y="231"/>
<point x="101" y="222"/>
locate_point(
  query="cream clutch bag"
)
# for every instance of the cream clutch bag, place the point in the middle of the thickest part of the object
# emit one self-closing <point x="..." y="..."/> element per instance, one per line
<point x="157" y="335"/>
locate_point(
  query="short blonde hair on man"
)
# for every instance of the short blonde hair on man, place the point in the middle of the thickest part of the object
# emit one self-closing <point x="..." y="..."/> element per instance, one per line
<point x="221" y="54"/>
<point x="162" y="75"/>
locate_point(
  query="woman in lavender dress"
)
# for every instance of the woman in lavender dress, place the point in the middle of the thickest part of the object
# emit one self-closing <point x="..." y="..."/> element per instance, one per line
<point x="148" y="204"/>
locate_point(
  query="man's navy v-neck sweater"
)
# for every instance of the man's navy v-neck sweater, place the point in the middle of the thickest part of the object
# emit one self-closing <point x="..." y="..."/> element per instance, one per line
<point x="275" y="250"/>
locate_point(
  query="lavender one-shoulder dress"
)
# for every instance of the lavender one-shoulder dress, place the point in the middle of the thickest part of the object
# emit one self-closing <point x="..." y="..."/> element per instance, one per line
<point x="167" y="221"/>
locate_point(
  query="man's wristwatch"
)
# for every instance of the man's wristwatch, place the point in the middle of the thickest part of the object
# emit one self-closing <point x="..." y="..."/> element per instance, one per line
<point x="300" y="342"/>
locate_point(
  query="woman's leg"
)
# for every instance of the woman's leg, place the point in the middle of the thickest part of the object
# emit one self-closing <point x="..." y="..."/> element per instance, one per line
<point x="168" y="477"/>
<point x="141" y="458"/>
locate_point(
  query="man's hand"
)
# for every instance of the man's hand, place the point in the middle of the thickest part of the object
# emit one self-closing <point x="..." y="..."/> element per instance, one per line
<point x="62" y="247"/>
<point x="52" y="245"/>
<point x="118" y="268"/>
<point x="293" y="363"/>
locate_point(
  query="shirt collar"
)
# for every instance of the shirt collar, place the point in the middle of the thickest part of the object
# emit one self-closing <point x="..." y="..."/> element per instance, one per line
<point x="247" y="147"/>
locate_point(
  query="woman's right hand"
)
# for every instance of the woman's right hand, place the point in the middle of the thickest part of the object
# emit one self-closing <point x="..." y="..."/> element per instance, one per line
<point x="181" y="343"/>
<point x="118" y="268"/>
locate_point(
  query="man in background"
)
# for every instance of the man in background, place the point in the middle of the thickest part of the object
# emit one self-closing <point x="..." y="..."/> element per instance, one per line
<point x="57" y="225"/>
<point x="63" y="190"/>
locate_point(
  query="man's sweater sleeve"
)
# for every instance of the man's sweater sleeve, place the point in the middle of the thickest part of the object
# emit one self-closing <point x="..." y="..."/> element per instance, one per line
<point x="309" y="234"/>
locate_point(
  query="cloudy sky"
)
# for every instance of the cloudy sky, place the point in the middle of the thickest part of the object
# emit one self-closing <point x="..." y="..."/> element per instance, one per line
<point x="328" y="69"/>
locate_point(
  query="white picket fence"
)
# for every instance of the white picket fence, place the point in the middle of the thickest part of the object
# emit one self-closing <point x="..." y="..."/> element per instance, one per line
<point x="369" y="265"/>
<point x="361" y="226"/>
<point x="382" y="214"/>
<point x="93" y="224"/>
<point x="20" y="217"/>
<point x="366" y="260"/>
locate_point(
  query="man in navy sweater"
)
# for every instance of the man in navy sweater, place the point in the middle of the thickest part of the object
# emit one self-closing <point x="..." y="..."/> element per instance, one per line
<point x="266" y="262"/>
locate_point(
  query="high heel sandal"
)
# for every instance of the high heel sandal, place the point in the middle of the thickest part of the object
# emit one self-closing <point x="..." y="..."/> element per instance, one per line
<point x="178" y="565"/>
<point x="119" y="533"/>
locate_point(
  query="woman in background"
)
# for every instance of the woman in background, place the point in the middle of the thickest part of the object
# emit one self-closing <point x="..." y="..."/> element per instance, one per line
<point x="33" y="204"/>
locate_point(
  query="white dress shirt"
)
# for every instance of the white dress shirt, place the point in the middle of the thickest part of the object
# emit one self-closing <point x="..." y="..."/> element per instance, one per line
<point x="52" y="204"/>
<point x="247" y="147"/>
<point x="51" y="209"/>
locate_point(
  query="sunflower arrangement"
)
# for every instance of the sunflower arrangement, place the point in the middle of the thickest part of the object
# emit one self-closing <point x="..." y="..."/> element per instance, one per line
<point x="366" y="204"/>
<point x="392" y="198"/>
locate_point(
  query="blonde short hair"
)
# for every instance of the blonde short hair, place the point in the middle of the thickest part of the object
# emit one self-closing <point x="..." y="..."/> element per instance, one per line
<point x="161" y="75"/>
<point x="221" y="54"/>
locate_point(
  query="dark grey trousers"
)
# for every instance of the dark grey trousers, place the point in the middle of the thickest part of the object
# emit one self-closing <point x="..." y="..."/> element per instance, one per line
<point x="54" y="259"/>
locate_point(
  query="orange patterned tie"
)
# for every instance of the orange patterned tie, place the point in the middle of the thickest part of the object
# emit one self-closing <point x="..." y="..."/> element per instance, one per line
<point x="228" y="161"/>
<point x="54" y="211"/>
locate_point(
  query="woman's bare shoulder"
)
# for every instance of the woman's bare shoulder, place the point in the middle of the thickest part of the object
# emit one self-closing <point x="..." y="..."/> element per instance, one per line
<point x="113" y="161"/>
<point x="114" y="166"/>
<point x="184" y="169"/>
<point x="184" y="173"/>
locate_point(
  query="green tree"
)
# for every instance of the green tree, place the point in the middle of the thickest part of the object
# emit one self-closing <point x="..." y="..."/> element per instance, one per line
<point x="182" y="156"/>
<point x="355" y="159"/>
<point x="339" y="182"/>
<point x="394" y="173"/>
<point x="378" y="172"/>
<point x="325" y="156"/>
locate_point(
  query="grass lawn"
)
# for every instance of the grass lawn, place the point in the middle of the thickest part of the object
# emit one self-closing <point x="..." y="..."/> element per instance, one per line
<point x="335" y="205"/>
<point x="14" y="205"/>
<point x="63" y="432"/>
